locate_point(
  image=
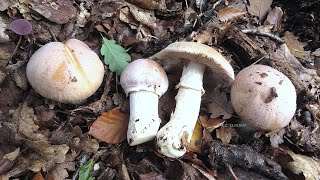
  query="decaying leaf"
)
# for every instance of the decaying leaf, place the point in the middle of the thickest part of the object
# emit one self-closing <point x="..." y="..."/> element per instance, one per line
<point x="110" y="127"/>
<point x="276" y="137"/>
<point x="259" y="8"/>
<point x="211" y="123"/>
<point x="196" y="139"/>
<point x="7" y="159"/>
<point x="295" y="46"/>
<point x="230" y="13"/>
<point x="275" y="17"/>
<point x="309" y="167"/>
<point x="225" y="134"/>
<point x="25" y="117"/>
<point x="204" y="37"/>
<point x="219" y="105"/>
<point x="38" y="176"/>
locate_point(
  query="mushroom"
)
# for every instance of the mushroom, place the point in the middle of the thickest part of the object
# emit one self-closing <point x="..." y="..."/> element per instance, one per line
<point x="67" y="72"/>
<point x="263" y="97"/>
<point x="144" y="80"/>
<point x="173" y="138"/>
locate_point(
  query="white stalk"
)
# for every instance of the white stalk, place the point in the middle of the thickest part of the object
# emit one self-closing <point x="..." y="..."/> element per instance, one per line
<point x="144" y="120"/>
<point x="173" y="138"/>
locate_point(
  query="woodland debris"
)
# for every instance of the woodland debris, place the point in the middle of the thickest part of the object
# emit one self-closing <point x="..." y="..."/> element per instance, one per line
<point x="243" y="157"/>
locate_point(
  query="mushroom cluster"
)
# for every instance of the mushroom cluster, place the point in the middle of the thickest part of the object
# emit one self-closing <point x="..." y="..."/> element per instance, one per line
<point x="67" y="72"/>
<point x="144" y="80"/>
<point x="173" y="138"/>
<point x="263" y="97"/>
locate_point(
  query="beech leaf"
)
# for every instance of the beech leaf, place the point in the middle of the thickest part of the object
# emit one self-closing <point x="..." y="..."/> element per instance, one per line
<point x="85" y="171"/>
<point x="114" y="55"/>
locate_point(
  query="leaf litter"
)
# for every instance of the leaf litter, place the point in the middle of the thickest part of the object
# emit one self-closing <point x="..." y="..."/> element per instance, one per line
<point x="53" y="137"/>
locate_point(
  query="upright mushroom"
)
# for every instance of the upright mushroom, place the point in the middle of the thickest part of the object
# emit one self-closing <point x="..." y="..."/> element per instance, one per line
<point x="263" y="97"/>
<point x="145" y="81"/>
<point x="173" y="138"/>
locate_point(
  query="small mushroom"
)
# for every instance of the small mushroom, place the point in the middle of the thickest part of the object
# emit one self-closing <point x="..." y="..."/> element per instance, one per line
<point x="67" y="72"/>
<point x="263" y="97"/>
<point x="173" y="138"/>
<point x="144" y="81"/>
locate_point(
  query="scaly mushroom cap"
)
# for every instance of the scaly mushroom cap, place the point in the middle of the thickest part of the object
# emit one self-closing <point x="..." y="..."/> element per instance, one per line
<point x="197" y="52"/>
<point x="144" y="74"/>
<point x="263" y="97"/>
<point x="67" y="73"/>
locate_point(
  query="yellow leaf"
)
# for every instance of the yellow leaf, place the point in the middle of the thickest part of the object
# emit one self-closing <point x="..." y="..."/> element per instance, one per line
<point x="196" y="139"/>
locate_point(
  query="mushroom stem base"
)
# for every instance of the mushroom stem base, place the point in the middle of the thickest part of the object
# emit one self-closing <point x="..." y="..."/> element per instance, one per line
<point x="144" y="120"/>
<point x="173" y="138"/>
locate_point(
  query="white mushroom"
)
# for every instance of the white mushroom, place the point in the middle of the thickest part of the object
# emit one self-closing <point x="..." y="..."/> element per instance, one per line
<point x="172" y="139"/>
<point x="145" y="81"/>
<point x="67" y="72"/>
<point x="263" y="97"/>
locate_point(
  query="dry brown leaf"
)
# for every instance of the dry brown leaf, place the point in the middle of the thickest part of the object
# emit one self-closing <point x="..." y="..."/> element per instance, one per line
<point x="309" y="167"/>
<point x="25" y="117"/>
<point x="110" y="127"/>
<point x="275" y="17"/>
<point x="38" y="176"/>
<point x="211" y="123"/>
<point x="225" y="134"/>
<point x="219" y="105"/>
<point x="295" y="46"/>
<point x="204" y="37"/>
<point x="196" y="139"/>
<point x="230" y="13"/>
<point x="259" y="8"/>
<point x="59" y="171"/>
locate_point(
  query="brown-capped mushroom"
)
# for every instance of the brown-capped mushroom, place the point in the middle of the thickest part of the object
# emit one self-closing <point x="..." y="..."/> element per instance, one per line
<point x="173" y="138"/>
<point x="263" y="97"/>
<point x="144" y="81"/>
<point x="67" y="72"/>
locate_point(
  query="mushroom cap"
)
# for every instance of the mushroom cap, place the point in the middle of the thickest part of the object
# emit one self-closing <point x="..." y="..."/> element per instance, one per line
<point x="21" y="26"/>
<point x="144" y="74"/>
<point x="65" y="72"/>
<point x="200" y="53"/>
<point x="263" y="97"/>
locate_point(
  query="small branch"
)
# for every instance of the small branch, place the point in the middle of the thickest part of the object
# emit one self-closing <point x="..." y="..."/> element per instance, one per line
<point x="231" y="171"/>
<point x="261" y="33"/>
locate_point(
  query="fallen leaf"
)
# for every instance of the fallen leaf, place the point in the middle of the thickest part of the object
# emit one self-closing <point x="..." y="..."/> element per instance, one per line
<point x="259" y="8"/>
<point x="114" y="55"/>
<point x="225" y="134"/>
<point x="75" y="139"/>
<point x="196" y="139"/>
<point x="25" y="117"/>
<point x="85" y="171"/>
<point x="211" y="124"/>
<point x="204" y="37"/>
<point x="309" y="167"/>
<point x="295" y="46"/>
<point x="275" y="17"/>
<point x="7" y="159"/>
<point x="219" y="105"/>
<point x="230" y="13"/>
<point x="110" y="127"/>
<point x="38" y="176"/>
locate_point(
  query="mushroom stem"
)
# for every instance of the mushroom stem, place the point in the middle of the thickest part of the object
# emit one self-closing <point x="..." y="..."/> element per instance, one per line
<point x="173" y="138"/>
<point x="144" y="120"/>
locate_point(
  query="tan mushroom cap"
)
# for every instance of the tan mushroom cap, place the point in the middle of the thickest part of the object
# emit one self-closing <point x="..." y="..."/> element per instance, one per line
<point x="197" y="52"/>
<point x="66" y="72"/>
<point x="263" y="97"/>
<point x="144" y="74"/>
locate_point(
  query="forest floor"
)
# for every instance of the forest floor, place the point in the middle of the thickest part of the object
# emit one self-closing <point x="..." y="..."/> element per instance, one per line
<point x="43" y="139"/>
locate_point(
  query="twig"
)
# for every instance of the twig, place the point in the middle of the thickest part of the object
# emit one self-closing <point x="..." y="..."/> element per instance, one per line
<point x="261" y="33"/>
<point x="231" y="171"/>
<point x="17" y="46"/>
<point x="51" y="32"/>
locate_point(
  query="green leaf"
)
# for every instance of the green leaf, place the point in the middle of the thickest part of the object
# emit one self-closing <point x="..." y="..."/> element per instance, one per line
<point x="85" y="170"/>
<point x="114" y="55"/>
